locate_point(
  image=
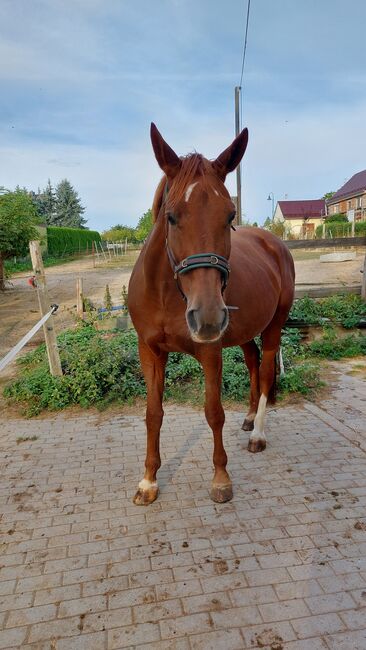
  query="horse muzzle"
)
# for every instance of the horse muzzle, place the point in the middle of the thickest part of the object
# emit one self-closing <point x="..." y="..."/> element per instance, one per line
<point x="207" y="325"/>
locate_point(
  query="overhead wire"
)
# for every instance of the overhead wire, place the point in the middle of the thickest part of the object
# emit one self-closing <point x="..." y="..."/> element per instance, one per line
<point x="243" y="62"/>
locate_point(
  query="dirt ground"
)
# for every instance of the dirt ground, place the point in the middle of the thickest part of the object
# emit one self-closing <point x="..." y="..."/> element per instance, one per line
<point x="19" y="304"/>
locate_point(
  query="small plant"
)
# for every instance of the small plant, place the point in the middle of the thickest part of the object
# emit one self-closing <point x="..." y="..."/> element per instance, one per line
<point x="108" y="304"/>
<point x="347" y="310"/>
<point x="124" y="298"/>
<point x="333" y="347"/>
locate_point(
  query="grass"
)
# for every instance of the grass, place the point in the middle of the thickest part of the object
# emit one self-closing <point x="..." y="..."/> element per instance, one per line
<point x="120" y="261"/>
<point x="300" y="255"/>
<point x="48" y="260"/>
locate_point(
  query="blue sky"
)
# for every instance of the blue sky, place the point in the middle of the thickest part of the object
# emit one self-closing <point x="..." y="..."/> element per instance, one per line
<point x="81" y="80"/>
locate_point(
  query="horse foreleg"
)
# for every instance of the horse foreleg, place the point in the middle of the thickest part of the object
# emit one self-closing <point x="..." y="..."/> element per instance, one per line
<point x="251" y="355"/>
<point x="153" y="366"/>
<point x="211" y="360"/>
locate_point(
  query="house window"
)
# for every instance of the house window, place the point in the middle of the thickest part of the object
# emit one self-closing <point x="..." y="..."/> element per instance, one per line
<point x="359" y="202"/>
<point x="349" y="205"/>
<point x="335" y="209"/>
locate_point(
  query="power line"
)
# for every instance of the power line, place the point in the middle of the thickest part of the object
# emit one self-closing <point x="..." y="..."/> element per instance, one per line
<point x="245" y="44"/>
<point x="239" y="117"/>
<point x="243" y="63"/>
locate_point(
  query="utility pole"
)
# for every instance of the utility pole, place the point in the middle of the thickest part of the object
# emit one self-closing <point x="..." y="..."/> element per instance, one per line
<point x="238" y="170"/>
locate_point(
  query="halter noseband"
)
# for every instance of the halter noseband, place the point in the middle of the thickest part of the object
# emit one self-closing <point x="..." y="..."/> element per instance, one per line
<point x="197" y="261"/>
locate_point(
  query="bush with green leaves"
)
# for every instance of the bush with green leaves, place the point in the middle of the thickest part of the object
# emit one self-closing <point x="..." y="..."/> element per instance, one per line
<point x="334" y="229"/>
<point x="337" y="225"/>
<point x="65" y="241"/>
<point x="344" y="309"/>
<point x="360" y="228"/>
<point x="332" y="346"/>
<point x="102" y="367"/>
<point x="18" y="221"/>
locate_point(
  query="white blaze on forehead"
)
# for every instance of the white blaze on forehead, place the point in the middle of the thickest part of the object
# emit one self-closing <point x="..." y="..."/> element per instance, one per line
<point x="189" y="191"/>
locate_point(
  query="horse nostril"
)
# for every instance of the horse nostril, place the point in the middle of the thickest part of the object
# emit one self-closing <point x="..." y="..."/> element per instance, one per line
<point x="191" y="319"/>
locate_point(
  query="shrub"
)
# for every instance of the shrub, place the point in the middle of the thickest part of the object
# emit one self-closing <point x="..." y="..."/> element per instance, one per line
<point x="101" y="367"/>
<point x="333" y="347"/>
<point x="334" y="229"/>
<point x="64" y="241"/>
<point x="360" y="228"/>
<point x="338" y="218"/>
<point x="347" y="310"/>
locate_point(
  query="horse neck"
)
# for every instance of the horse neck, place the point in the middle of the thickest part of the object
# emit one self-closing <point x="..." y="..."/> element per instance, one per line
<point x="155" y="256"/>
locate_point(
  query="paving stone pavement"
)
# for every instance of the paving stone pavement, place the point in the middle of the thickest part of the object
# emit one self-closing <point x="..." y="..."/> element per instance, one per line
<point x="281" y="567"/>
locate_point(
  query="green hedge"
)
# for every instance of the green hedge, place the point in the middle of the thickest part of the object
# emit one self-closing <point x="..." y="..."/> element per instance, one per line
<point x="64" y="241"/>
<point x="341" y="229"/>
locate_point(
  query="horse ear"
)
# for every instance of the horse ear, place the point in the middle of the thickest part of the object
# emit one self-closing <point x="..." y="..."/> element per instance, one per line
<point x="229" y="159"/>
<point x="167" y="158"/>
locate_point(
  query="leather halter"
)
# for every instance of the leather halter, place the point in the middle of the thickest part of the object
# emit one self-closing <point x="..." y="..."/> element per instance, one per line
<point x="196" y="261"/>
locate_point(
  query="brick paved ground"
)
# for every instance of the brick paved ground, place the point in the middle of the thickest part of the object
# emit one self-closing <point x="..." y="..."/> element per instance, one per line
<point x="283" y="566"/>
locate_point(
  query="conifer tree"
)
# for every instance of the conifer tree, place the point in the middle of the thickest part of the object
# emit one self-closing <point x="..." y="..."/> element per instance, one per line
<point x="68" y="208"/>
<point x="48" y="203"/>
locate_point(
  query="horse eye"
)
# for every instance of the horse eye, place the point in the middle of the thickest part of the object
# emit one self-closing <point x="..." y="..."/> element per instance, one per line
<point x="171" y="219"/>
<point x="232" y="217"/>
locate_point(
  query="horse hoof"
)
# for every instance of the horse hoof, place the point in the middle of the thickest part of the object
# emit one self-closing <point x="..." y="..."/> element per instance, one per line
<point x="248" y="425"/>
<point x="256" y="445"/>
<point x="221" y="493"/>
<point x="145" y="497"/>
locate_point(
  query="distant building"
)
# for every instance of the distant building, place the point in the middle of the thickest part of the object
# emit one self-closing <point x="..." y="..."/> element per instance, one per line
<point x="300" y="217"/>
<point x="350" y="197"/>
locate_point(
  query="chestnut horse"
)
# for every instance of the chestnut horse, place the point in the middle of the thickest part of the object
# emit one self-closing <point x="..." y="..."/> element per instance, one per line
<point x="190" y="271"/>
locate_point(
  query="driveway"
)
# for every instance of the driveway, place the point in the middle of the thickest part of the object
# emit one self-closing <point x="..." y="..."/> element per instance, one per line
<point x="282" y="566"/>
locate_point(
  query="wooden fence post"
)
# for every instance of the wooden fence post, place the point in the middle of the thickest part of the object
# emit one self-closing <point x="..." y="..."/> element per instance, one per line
<point x="79" y="298"/>
<point x="363" y="285"/>
<point x="44" y="307"/>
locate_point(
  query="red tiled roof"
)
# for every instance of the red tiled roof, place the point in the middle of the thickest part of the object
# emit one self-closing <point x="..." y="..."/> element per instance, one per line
<point x="355" y="184"/>
<point x="302" y="209"/>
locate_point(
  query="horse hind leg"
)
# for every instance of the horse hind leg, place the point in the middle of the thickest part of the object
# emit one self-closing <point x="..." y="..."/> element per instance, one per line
<point x="252" y="358"/>
<point x="271" y="339"/>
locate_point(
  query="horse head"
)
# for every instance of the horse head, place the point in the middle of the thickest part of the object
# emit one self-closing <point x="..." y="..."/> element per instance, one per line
<point x="198" y="214"/>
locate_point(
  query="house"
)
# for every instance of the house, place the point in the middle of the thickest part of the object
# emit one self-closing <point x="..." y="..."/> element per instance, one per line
<point x="350" y="197"/>
<point x="300" y="217"/>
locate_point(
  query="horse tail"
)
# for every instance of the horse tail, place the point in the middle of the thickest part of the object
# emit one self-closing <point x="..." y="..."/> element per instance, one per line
<point x="273" y="390"/>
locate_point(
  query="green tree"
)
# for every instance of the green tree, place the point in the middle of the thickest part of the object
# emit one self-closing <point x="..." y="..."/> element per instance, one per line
<point x="119" y="233"/>
<point x="267" y="223"/>
<point x="144" y="226"/>
<point x="47" y="202"/>
<point x="328" y="195"/>
<point x="18" y="220"/>
<point x="336" y="217"/>
<point x="68" y="208"/>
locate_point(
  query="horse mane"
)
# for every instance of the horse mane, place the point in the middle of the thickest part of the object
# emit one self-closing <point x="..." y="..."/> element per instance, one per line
<point x="192" y="166"/>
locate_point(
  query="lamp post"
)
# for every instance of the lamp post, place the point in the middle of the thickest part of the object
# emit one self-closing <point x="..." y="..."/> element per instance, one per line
<point x="271" y="198"/>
